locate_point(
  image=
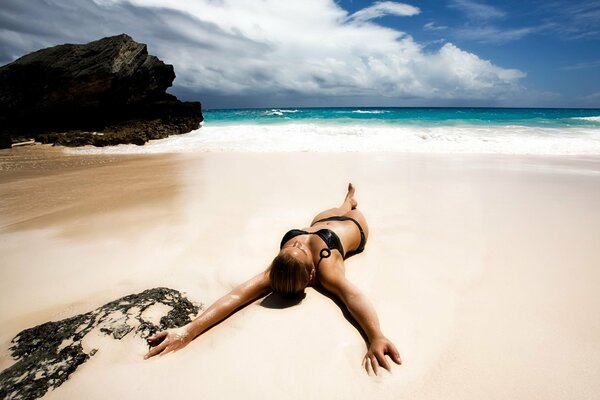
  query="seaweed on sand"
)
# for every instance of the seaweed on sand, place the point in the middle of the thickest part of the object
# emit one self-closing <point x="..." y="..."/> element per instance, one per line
<point x="49" y="353"/>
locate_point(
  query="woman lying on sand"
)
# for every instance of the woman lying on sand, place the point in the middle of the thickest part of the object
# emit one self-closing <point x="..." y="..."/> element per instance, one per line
<point x="308" y="257"/>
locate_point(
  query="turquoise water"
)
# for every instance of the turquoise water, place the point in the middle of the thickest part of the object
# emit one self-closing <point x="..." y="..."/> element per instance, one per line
<point x="403" y="130"/>
<point x="531" y="117"/>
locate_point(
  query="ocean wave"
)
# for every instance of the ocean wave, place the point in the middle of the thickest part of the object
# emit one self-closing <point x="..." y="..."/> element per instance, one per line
<point x="593" y="119"/>
<point x="368" y="111"/>
<point x="279" y="112"/>
<point x="319" y="137"/>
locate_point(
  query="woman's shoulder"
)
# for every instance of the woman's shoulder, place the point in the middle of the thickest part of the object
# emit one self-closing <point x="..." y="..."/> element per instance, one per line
<point x="332" y="274"/>
<point x="332" y="264"/>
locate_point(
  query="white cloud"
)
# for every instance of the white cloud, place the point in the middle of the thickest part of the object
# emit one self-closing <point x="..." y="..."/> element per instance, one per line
<point x="383" y="8"/>
<point x="582" y="65"/>
<point x="478" y="11"/>
<point x="266" y="48"/>
<point x="492" y="34"/>
<point x="479" y="28"/>
<point x="453" y="72"/>
<point x="572" y="20"/>
<point x="430" y="26"/>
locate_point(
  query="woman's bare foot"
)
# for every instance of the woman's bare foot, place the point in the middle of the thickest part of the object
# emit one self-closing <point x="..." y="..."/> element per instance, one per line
<point x="350" y="200"/>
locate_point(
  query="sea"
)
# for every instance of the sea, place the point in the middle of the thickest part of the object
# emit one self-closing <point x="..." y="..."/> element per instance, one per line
<point x="379" y="129"/>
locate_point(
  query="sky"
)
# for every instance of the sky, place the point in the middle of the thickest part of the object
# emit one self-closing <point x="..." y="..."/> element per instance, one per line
<point x="326" y="53"/>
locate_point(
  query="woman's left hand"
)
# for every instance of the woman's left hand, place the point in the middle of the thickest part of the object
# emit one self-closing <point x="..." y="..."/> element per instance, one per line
<point x="375" y="356"/>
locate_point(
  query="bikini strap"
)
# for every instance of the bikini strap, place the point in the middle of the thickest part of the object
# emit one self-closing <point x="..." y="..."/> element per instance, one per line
<point x="324" y="253"/>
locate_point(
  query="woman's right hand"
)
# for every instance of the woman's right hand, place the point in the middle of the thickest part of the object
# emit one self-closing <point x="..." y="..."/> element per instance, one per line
<point x="167" y="341"/>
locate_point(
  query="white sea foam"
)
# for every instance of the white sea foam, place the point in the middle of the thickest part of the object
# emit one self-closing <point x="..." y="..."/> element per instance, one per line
<point x="594" y="119"/>
<point x="279" y="112"/>
<point x="363" y="138"/>
<point x="368" y="111"/>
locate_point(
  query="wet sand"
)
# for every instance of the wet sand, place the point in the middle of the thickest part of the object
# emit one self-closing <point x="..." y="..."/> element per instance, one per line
<point x="483" y="269"/>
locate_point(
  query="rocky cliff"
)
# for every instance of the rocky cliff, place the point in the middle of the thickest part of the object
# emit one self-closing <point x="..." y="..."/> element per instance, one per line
<point x="106" y="92"/>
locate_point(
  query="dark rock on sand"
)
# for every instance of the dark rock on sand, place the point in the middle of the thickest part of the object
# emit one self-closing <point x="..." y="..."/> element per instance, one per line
<point x="106" y="92"/>
<point x="49" y="353"/>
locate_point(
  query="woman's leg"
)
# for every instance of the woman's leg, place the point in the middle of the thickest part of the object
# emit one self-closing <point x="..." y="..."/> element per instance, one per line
<point x="347" y="206"/>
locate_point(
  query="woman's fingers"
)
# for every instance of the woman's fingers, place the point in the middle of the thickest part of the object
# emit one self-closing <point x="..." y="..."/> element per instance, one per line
<point x="169" y="349"/>
<point x="157" y="336"/>
<point x="376" y="358"/>
<point x="374" y="364"/>
<point x="369" y="364"/>
<point x="155" y="350"/>
<point x="395" y="355"/>
<point x="366" y="362"/>
<point x="383" y="361"/>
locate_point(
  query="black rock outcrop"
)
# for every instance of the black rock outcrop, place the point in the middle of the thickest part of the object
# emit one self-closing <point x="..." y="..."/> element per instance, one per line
<point x="106" y="92"/>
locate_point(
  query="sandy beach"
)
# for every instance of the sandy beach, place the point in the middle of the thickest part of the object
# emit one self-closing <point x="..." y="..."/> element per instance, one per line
<point x="484" y="270"/>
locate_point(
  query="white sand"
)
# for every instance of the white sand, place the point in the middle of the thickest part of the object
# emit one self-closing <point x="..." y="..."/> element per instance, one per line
<point x="484" y="271"/>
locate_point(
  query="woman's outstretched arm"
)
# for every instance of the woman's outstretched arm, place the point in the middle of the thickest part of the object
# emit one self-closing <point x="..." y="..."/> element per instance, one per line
<point x="175" y="339"/>
<point x="333" y="279"/>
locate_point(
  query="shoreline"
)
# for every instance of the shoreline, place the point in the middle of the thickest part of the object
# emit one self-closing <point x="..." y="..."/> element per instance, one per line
<point x="323" y="137"/>
<point x="476" y="264"/>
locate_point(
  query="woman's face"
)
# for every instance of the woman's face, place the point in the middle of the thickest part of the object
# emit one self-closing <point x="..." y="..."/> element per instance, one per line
<point x="299" y="251"/>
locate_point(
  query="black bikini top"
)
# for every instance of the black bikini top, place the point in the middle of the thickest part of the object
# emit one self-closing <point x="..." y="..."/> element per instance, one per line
<point x="328" y="236"/>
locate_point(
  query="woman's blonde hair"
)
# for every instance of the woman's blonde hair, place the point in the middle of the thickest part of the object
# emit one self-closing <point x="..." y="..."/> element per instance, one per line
<point x="288" y="276"/>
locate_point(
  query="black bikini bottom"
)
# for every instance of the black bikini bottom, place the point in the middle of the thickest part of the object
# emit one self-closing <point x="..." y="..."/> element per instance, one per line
<point x="363" y="239"/>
